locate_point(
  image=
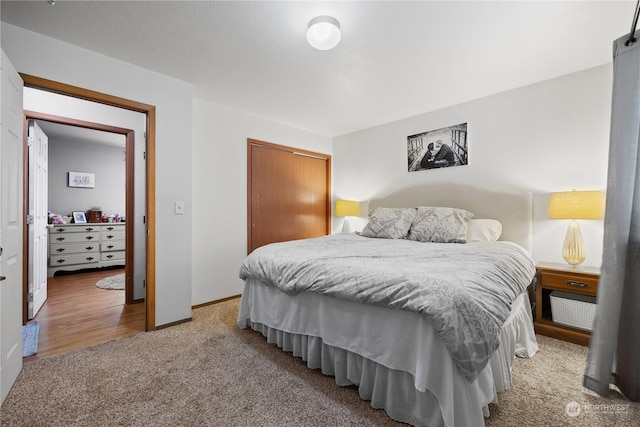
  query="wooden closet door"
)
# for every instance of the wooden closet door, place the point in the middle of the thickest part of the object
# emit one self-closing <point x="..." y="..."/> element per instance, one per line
<point x="288" y="194"/>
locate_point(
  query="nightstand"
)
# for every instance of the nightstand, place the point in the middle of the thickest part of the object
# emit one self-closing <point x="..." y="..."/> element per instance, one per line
<point x="562" y="277"/>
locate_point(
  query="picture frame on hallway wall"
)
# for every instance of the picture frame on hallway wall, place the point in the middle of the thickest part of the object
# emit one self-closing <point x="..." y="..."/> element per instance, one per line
<point x="439" y="148"/>
<point x="82" y="179"/>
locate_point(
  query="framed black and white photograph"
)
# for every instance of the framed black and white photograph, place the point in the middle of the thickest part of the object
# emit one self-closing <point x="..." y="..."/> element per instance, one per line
<point x="439" y="148"/>
<point x="82" y="179"/>
<point x="79" y="218"/>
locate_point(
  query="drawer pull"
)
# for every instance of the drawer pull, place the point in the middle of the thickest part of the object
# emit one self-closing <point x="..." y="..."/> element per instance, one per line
<point x="60" y="261"/>
<point x="89" y="229"/>
<point x="109" y="256"/>
<point x="109" y="236"/>
<point x="577" y="284"/>
<point x="89" y="248"/>
<point x="60" y="250"/>
<point x="110" y="247"/>
<point x="60" y="239"/>
<point x="60" y="230"/>
<point x="89" y="258"/>
<point x="109" y="228"/>
<point x="89" y="237"/>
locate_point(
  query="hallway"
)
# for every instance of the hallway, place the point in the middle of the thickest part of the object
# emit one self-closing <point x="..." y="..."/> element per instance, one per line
<point x="79" y="314"/>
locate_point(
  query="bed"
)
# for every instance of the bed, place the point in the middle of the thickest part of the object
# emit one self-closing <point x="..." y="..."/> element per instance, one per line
<point x="431" y="344"/>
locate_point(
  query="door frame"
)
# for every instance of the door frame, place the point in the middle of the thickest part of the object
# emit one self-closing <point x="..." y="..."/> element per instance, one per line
<point x="129" y="192"/>
<point x="150" y="216"/>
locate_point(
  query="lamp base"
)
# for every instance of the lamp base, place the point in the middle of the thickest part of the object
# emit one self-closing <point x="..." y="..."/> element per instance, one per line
<point x="573" y="248"/>
<point x="345" y="225"/>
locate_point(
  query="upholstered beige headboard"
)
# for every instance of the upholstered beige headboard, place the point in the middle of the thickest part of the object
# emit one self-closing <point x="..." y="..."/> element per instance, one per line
<point x="513" y="209"/>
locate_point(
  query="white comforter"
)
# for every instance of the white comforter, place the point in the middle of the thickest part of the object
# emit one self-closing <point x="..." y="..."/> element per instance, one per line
<point x="465" y="290"/>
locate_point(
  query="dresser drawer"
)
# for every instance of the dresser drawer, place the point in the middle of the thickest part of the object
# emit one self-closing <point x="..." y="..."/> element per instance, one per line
<point x="112" y="256"/>
<point x="74" y="229"/>
<point x="92" y="236"/>
<point x="61" y="260"/>
<point x="116" y="245"/>
<point x="73" y="248"/>
<point x="118" y="234"/>
<point x="570" y="282"/>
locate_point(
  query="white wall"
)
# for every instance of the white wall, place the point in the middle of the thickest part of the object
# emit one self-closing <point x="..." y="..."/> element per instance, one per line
<point x="550" y="136"/>
<point x="220" y="191"/>
<point x="107" y="162"/>
<point x="45" y="57"/>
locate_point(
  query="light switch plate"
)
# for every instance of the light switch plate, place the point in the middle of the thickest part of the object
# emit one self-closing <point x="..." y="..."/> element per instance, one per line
<point x="179" y="208"/>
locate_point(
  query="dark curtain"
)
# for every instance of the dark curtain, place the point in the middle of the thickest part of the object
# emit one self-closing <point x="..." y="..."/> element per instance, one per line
<point x="614" y="350"/>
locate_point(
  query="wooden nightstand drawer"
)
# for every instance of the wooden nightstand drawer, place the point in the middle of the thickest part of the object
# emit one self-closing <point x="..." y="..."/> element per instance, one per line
<point x="560" y="277"/>
<point x="576" y="283"/>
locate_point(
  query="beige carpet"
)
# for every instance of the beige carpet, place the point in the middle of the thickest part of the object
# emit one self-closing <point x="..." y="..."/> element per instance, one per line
<point x="209" y="373"/>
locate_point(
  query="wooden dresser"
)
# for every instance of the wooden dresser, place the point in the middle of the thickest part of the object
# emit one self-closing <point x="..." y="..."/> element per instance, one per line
<point x="562" y="277"/>
<point x="79" y="246"/>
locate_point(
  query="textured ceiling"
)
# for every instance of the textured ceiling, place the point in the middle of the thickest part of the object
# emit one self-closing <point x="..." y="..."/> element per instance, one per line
<point x="395" y="59"/>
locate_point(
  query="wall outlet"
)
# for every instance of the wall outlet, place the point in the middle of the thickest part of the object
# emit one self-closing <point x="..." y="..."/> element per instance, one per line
<point x="179" y="208"/>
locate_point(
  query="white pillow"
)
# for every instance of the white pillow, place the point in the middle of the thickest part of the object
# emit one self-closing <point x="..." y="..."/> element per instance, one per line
<point x="483" y="230"/>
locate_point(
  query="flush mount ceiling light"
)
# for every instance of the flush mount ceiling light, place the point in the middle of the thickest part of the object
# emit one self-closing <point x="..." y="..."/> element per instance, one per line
<point x="323" y="32"/>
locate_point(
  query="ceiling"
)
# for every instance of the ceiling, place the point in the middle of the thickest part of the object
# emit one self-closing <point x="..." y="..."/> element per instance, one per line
<point x="395" y="59"/>
<point x="68" y="133"/>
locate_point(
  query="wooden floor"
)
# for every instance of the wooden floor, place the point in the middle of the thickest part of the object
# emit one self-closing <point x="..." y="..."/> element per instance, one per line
<point x="78" y="314"/>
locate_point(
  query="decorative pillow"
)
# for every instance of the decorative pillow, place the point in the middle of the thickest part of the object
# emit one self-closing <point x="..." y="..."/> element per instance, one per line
<point x="484" y="230"/>
<point x="440" y="225"/>
<point x="389" y="223"/>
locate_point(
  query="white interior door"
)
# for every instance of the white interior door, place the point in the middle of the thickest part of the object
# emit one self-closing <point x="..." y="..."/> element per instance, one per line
<point x="38" y="202"/>
<point x="11" y="223"/>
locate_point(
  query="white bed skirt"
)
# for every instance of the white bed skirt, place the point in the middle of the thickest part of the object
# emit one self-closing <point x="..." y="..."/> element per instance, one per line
<point x="408" y="372"/>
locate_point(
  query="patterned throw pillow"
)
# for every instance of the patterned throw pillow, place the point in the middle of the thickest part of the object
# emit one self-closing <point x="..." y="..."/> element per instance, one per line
<point x="389" y="223"/>
<point x="440" y="225"/>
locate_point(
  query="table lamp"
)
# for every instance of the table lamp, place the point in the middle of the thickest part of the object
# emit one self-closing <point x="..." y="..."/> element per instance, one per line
<point x="347" y="208"/>
<point x="575" y="205"/>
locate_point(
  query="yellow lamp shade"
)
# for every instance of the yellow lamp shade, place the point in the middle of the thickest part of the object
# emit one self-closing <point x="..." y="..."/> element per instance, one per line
<point x="576" y="205"/>
<point x="347" y="208"/>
